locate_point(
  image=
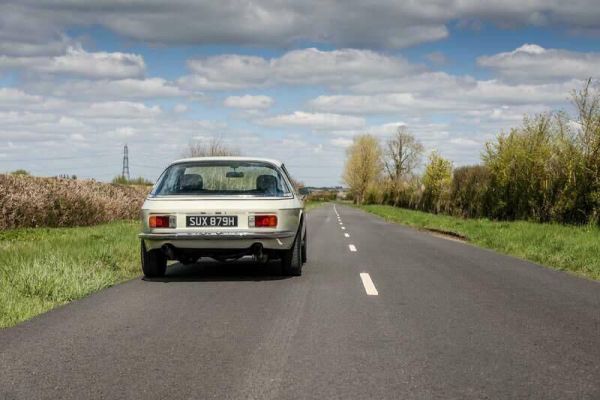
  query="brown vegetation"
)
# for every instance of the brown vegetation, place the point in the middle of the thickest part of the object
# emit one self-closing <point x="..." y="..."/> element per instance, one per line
<point x="27" y="201"/>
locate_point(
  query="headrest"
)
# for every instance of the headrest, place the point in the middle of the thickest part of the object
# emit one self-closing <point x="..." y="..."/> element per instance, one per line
<point x="267" y="184"/>
<point x="191" y="182"/>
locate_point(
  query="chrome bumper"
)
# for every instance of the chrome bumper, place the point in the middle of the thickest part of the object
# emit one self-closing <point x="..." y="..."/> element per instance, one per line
<point x="240" y="235"/>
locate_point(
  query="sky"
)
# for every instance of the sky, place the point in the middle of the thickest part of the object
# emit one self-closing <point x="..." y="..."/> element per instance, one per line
<point x="292" y="80"/>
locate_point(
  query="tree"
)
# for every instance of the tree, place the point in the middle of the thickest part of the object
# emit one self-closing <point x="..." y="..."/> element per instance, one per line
<point x="363" y="165"/>
<point x="20" y="172"/>
<point x="436" y="181"/>
<point x="213" y="148"/>
<point x="587" y="103"/>
<point x="402" y="155"/>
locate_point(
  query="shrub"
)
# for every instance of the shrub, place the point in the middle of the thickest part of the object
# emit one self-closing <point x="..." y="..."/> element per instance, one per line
<point x="27" y="201"/>
<point x="436" y="184"/>
<point x="469" y="191"/>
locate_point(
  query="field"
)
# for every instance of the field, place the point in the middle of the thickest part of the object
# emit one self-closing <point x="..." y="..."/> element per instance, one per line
<point x="568" y="248"/>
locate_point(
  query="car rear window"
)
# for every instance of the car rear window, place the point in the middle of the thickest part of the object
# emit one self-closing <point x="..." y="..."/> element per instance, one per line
<point x="222" y="178"/>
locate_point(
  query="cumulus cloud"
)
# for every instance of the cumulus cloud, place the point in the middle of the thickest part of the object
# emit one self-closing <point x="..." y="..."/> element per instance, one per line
<point x="298" y="67"/>
<point x="533" y="63"/>
<point x="146" y="88"/>
<point x="453" y="97"/>
<point x="78" y="62"/>
<point x="316" y="121"/>
<point x="248" y="102"/>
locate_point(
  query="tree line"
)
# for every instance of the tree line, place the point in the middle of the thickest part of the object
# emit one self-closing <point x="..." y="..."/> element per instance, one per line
<point x="547" y="169"/>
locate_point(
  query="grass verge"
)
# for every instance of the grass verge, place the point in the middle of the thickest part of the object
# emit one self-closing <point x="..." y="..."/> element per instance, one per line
<point x="310" y="204"/>
<point x="568" y="248"/>
<point x="41" y="268"/>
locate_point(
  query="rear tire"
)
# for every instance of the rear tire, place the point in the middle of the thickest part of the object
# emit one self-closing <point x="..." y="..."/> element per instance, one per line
<point x="291" y="260"/>
<point x="304" y="247"/>
<point x="154" y="262"/>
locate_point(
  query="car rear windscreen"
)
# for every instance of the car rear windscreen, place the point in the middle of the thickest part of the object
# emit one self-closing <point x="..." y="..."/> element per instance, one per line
<point x="221" y="178"/>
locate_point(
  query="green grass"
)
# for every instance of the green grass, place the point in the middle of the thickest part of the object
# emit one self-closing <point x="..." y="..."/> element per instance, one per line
<point x="42" y="268"/>
<point x="309" y="205"/>
<point x="568" y="248"/>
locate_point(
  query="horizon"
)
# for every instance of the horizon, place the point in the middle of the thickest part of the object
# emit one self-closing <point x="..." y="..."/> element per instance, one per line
<point x="291" y="81"/>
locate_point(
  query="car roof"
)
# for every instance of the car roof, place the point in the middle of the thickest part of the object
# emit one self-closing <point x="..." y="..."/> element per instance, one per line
<point x="229" y="158"/>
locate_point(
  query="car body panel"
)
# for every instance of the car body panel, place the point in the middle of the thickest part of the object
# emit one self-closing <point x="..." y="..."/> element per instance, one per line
<point x="289" y="210"/>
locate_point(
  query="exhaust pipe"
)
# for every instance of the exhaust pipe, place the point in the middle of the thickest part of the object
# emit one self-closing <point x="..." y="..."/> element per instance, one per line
<point x="258" y="255"/>
<point x="169" y="251"/>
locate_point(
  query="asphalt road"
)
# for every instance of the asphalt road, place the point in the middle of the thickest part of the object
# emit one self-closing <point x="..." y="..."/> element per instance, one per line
<point x="443" y="320"/>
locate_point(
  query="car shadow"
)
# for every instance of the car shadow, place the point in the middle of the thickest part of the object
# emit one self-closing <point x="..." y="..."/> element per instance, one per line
<point x="214" y="271"/>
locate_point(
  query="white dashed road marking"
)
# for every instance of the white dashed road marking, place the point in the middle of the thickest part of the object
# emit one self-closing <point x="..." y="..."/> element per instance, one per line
<point x="368" y="284"/>
<point x="347" y="234"/>
<point x="343" y="227"/>
<point x="352" y="247"/>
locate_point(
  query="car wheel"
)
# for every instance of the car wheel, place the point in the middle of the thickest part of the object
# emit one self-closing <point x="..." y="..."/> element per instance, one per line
<point x="291" y="260"/>
<point x="154" y="263"/>
<point x="304" y="246"/>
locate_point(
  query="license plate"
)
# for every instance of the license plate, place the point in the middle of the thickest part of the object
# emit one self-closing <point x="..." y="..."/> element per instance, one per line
<point x="193" y="221"/>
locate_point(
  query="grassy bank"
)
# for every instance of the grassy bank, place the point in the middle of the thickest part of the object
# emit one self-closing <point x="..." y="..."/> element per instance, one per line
<point x="568" y="248"/>
<point x="44" y="267"/>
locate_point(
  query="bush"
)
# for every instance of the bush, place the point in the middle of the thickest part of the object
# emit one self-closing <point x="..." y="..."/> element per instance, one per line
<point x="469" y="191"/>
<point x="27" y="201"/>
<point x="436" y="182"/>
<point x="121" y="180"/>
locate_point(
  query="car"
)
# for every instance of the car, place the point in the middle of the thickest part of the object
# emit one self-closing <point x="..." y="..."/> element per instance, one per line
<point x="224" y="208"/>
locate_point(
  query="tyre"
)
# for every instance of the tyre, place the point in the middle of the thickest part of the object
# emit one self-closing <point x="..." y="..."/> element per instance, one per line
<point x="154" y="263"/>
<point x="304" y="248"/>
<point x="291" y="260"/>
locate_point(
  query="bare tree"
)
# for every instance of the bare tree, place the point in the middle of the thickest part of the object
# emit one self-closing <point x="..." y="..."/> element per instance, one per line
<point x="402" y="155"/>
<point x="363" y="165"/>
<point x="214" y="147"/>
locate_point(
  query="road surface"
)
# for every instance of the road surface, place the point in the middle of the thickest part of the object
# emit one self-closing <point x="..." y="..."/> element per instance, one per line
<point x="381" y="312"/>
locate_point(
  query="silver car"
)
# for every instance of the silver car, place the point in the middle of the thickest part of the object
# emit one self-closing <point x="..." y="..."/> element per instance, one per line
<point x="224" y="208"/>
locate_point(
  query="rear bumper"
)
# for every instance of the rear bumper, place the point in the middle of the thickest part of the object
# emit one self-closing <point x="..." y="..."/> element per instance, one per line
<point x="219" y="240"/>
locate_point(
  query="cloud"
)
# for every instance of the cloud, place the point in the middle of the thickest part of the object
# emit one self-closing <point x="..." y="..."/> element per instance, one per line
<point x="286" y="23"/>
<point x="341" y="142"/>
<point x="297" y="67"/>
<point x="533" y="63"/>
<point x="316" y="121"/>
<point x="146" y="88"/>
<point x="451" y="95"/>
<point x="437" y="58"/>
<point x="248" y="102"/>
<point x="76" y="62"/>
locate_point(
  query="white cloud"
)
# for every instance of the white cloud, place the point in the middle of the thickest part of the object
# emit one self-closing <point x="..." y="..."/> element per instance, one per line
<point x="148" y="88"/>
<point x="316" y="121"/>
<point x="95" y="65"/>
<point x="341" y="142"/>
<point x="180" y="108"/>
<point x="298" y="67"/>
<point x="533" y="63"/>
<point x="76" y="62"/>
<point x="248" y="102"/>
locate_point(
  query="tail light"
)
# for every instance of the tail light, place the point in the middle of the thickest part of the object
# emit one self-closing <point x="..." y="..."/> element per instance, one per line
<point x="263" y="221"/>
<point x="162" y="221"/>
